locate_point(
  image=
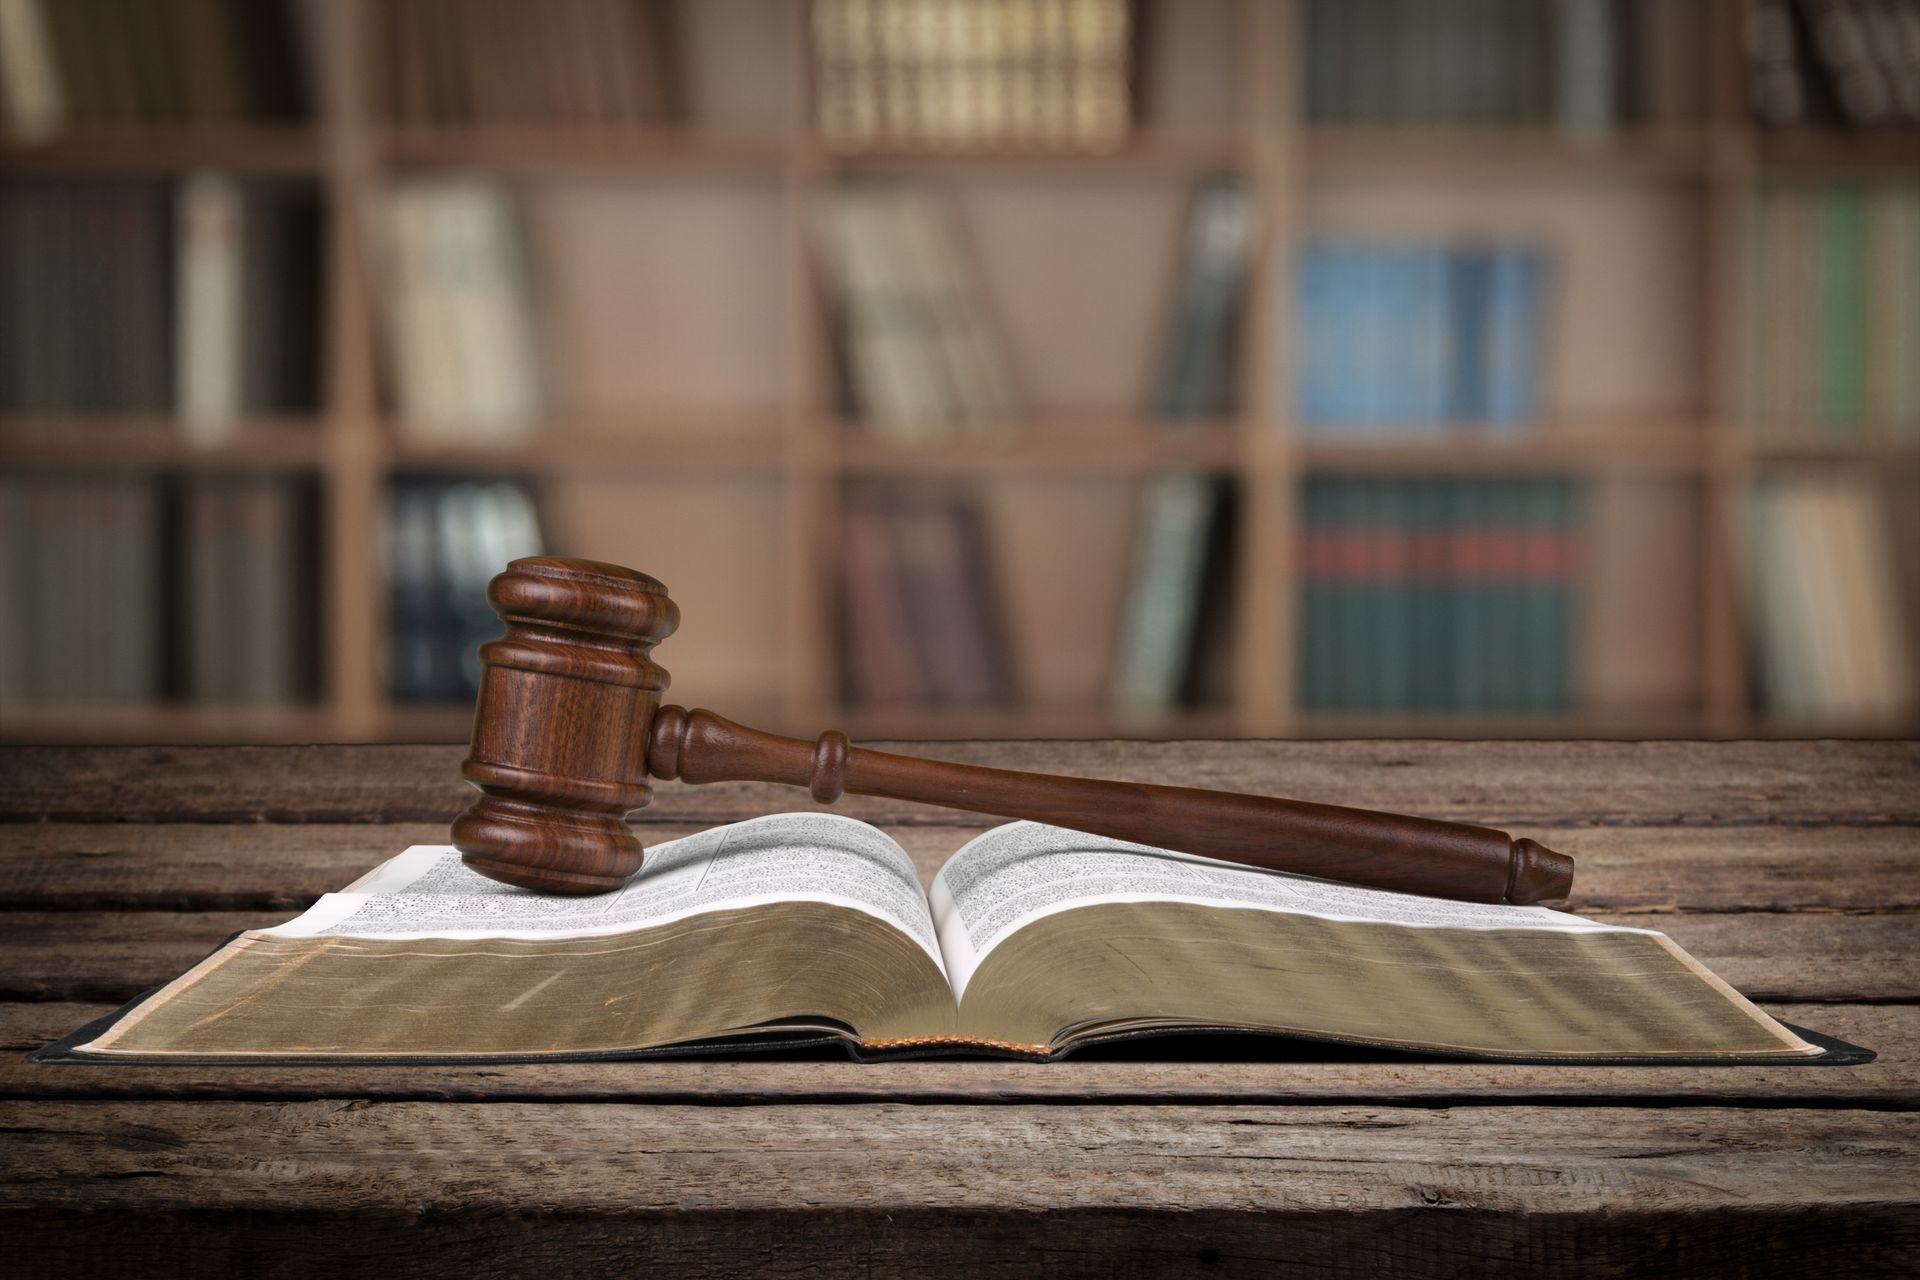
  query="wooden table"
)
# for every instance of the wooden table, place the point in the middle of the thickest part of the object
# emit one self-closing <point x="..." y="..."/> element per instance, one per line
<point x="1790" y="869"/>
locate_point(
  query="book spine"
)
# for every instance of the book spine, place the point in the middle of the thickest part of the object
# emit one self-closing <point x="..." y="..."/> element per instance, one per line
<point x="882" y="669"/>
<point x="1588" y="75"/>
<point x="211" y="222"/>
<point x="1162" y="608"/>
<point x="31" y="84"/>
<point x="1513" y="347"/>
<point x="1843" y="380"/>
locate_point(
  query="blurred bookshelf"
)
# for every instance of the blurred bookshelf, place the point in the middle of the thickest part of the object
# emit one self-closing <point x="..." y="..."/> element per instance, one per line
<point x="675" y="378"/>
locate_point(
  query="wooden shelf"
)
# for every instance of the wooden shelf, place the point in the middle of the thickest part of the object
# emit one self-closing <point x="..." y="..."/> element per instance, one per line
<point x="543" y="151"/>
<point x="1678" y="448"/>
<point x="1467" y="725"/>
<point x="1148" y="151"/>
<point x="1879" y="454"/>
<point x="1330" y="150"/>
<point x="956" y="724"/>
<point x="252" y="149"/>
<point x="737" y="446"/>
<point x="1840" y="151"/>
<point x="168" y="723"/>
<point x="143" y="441"/>
<point x="1021" y="449"/>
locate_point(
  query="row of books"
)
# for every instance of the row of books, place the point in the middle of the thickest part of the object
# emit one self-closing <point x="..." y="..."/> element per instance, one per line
<point x="1452" y="595"/>
<point x="132" y="589"/>
<point x="199" y="298"/>
<point x="1585" y="66"/>
<point x="919" y="618"/>
<point x="125" y="62"/>
<point x="970" y="73"/>
<point x="586" y="63"/>
<point x="1834" y="63"/>
<point x="464" y="348"/>
<point x="444" y="539"/>
<point x="1832" y="642"/>
<point x="920" y="356"/>
<point x="1399" y="337"/>
<point x="1832" y="317"/>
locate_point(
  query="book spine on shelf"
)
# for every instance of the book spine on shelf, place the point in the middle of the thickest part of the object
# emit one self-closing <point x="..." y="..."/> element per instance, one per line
<point x="208" y="372"/>
<point x="882" y="668"/>
<point x="32" y="88"/>
<point x="1843" y="313"/>
<point x="1514" y="319"/>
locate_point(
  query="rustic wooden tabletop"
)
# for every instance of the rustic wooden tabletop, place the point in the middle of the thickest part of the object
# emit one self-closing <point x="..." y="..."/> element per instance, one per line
<point x="1792" y="869"/>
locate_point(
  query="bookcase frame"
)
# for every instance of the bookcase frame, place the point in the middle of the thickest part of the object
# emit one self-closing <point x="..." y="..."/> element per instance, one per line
<point x="354" y="452"/>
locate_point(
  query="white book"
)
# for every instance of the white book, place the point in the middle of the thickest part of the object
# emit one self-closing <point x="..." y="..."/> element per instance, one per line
<point x="209" y="300"/>
<point x="494" y="337"/>
<point x="31" y="89"/>
<point x="425" y="380"/>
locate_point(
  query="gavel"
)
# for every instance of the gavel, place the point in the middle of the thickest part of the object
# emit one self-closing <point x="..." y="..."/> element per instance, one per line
<point x="569" y="728"/>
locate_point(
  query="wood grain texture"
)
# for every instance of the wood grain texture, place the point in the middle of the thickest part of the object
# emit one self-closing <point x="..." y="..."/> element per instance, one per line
<point x="1510" y="784"/>
<point x="940" y="1190"/>
<point x="1195" y="1073"/>
<point x="113" y="955"/>
<point x="274" y="867"/>
<point x="1788" y="868"/>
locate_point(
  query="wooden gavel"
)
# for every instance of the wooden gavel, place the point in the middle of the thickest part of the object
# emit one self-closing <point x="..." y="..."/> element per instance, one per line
<point x="569" y="727"/>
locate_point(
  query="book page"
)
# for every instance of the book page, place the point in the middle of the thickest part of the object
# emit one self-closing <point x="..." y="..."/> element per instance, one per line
<point x="1012" y="875"/>
<point x="791" y="857"/>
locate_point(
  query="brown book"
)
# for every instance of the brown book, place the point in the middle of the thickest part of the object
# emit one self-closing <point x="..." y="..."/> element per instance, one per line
<point x="1033" y="942"/>
<point x="881" y="667"/>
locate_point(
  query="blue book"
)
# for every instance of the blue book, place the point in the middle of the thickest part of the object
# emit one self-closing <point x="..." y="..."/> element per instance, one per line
<point x="1514" y="338"/>
<point x="1428" y="370"/>
<point x="1468" y="278"/>
<point x="1315" y="340"/>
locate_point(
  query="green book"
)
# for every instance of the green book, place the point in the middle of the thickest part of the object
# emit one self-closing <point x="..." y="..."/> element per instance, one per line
<point x="1390" y="536"/>
<point x="1508" y="644"/>
<point x="1468" y="563"/>
<point x="1843" y="372"/>
<point x="1549" y="596"/>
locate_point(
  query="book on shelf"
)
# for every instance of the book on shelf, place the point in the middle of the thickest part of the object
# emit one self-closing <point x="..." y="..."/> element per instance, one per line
<point x="921" y="618"/>
<point x="465" y="351"/>
<point x="1438" y="594"/>
<point x="1845" y="64"/>
<point x="1584" y="67"/>
<point x="127" y="589"/>
<point x="1832" y="311"/>
<point x="199" y="300"/>
<point x="142" y="62"/>
<point x="1832" y="638"/>
<point x="1416" y="339"/>
<point x="444" y="538"/>
<point x="898" y="74"/>
<point x="922" y="357"/>
<point x="1033" y="942"/>
<point x="1180" y="560"/>
<point x="592" y="64"/>
<point x="248" y="551"/>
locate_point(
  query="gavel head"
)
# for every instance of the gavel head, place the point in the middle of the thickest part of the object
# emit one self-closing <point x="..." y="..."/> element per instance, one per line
<point x="567" y="697"/>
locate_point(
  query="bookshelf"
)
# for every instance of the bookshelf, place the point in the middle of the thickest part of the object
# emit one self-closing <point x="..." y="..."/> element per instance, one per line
<point x="716" y="419"/>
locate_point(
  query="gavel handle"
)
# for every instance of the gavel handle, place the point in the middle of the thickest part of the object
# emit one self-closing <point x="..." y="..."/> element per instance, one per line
<point x="1384" y="850"/>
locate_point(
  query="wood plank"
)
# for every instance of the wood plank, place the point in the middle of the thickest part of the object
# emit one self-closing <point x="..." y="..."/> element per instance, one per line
<point x="1193" y="1072"/>
<point x="274" y="867"/>
<point x="451" y="1188"/>
<point x="1507" y="784"/>
<point x="111" y="955"/>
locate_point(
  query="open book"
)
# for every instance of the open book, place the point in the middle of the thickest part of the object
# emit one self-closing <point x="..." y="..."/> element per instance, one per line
<point x="1033" y="941"/>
